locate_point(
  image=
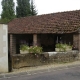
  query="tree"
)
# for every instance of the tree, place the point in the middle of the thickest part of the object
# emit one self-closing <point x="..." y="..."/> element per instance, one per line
<point x="33" y="10"/>
<point x="23" y="8"/>
<point x="8" y="11"/>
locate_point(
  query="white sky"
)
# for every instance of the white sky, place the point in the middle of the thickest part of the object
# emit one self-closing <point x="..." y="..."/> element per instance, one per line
<point x="51" y="6"/>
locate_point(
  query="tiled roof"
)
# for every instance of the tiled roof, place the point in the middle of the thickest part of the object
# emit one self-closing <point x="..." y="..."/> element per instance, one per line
<point x="62" y="22"/>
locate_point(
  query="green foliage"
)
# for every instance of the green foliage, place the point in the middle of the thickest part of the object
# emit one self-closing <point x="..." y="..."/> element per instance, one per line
<point x="24" y="47"/>
<point x="63" y="47"/>
<point x="35" y="49"/>
<point x="57" y="45"/>
<point x="32" y="49"/>
<point x="33" y="10"/>
<point x="25" y="8"/>
<point x="4" y="21"/>
<point x="8" y="11"/>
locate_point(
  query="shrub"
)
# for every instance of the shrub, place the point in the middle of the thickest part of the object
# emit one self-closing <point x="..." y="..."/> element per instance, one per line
<point x="24" y="47"/>
<point x="35" y="49"/>
<point x="63" y="47"/>
<point x="57" y="45"/>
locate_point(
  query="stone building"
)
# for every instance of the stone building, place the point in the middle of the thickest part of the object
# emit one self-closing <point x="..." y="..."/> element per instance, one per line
<point x="45" y="30"/>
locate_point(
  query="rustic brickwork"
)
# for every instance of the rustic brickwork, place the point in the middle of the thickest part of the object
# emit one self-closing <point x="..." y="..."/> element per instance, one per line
<point x="12" y="44"/>
<point x="26" y="60"/>
<point x="76" y="41"/>
<point x="79" y="43"/>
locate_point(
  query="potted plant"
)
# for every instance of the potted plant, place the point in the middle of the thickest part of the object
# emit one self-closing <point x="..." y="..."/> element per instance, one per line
<point x="69" y="48"/>
<point x="35" y="49"/>
<point x="63" y="47"/>
<point x="24" y="49"/>
<point x="57" y="47"/>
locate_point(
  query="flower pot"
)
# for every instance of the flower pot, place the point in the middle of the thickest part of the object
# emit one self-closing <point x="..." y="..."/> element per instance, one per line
<point x="24" y="52"/>
<point x="68" y="49"/>
<point x="57" y="49"/>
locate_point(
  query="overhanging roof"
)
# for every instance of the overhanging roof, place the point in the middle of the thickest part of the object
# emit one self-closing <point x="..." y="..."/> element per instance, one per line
<point x="62" y="22"/>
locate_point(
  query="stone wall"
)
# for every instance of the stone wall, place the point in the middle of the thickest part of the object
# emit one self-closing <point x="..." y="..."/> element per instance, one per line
<point x="32" y="59"/>
<point x="3" y="48"/>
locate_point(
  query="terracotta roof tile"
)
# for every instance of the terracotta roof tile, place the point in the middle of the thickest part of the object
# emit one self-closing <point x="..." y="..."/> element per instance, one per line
<point x="66" y="22"/>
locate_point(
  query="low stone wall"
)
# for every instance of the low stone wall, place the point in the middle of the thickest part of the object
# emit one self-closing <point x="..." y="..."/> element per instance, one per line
<point x="31" y="59"/>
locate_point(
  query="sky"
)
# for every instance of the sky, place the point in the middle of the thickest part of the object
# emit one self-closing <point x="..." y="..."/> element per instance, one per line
<point x="53" y="6"/>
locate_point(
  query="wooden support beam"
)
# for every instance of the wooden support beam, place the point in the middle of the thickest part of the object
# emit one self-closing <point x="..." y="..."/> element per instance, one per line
<point x="34" y="39"/>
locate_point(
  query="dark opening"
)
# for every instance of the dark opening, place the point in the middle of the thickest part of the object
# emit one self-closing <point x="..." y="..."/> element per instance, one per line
<point x="23" y="39"/>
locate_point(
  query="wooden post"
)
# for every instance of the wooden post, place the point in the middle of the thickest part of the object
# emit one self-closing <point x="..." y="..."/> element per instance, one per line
<point x="34" y="39"/>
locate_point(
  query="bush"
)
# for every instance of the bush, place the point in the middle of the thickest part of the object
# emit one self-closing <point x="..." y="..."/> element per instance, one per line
<point x="35" y="49"/>
<point x="63" y="47"/>
<point x="24" y="47"/>
<point x="4" y="21"/>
